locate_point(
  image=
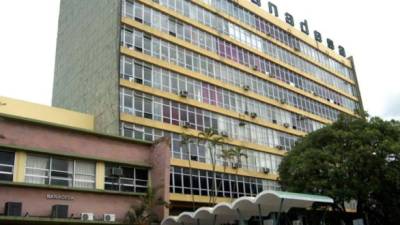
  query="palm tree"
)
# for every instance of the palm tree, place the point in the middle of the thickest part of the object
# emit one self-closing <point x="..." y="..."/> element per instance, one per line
<point x="211" y="139"/>
<point x="143" y="213"/>
<point x="237" y="154"/>
<point x="226" y="156"/>
<point x="185" y="142"/>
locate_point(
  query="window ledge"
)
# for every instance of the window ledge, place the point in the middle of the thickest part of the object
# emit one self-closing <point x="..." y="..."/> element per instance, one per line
<point x="43" y="186"/>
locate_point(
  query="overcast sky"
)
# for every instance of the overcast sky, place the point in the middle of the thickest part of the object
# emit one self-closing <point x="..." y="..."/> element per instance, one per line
<point x="369" y="30"/>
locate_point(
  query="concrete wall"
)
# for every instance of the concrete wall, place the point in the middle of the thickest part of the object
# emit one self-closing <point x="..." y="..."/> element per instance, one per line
<point x="33" y="136"/>
<point x="161" y="163"/>
<point x="87" y="60"/>
<point x="65" y="141"/>
<point x="29" y="110"/>
<point x="35" y="202"/>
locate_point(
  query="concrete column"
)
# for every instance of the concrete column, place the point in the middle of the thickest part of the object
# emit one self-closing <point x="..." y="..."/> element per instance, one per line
<point x="100" y="175"/>
<point x="19" y="166"/>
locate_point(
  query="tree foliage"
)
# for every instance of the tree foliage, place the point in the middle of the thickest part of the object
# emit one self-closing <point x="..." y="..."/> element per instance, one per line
<point x="352" y="159"/>
<point x="144" y="212"/>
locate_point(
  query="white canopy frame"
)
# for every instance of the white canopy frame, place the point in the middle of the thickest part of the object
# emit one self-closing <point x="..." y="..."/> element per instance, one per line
<point x="245" y="207"/>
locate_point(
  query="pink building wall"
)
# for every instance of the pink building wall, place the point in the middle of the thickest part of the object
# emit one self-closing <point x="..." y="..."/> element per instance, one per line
<point x="24" y="134"/>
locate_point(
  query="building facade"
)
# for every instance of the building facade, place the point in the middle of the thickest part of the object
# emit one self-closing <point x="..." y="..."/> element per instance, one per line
<point x="152" y="68"/>
<point x="52" y="163"/>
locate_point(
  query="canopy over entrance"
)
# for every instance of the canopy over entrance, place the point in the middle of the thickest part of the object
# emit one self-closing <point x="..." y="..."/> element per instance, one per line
<point x="245" y="207"/>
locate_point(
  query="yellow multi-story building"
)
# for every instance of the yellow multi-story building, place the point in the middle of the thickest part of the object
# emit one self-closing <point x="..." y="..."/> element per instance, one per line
<point x="177" y="68"/>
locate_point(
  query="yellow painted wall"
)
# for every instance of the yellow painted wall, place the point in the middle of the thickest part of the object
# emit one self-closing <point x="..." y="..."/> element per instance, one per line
<point x="19" y="166"/>
<point x="191" y="132"/>
<point x="212" y="108"/>
<point x="100" y="174"/>
<point x="45" y="113"/>
<point x="229" y="170"/>
<point x="197" y="198"/>
<point x="237" y="65"/>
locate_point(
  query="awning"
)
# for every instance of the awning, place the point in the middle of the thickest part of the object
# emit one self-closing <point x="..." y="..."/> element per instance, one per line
<point x="245" y="207"/>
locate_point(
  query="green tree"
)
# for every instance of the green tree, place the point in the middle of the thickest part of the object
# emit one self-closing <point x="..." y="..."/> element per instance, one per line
<point x="143" y="213"/>
<point x="352" y="159"/>
<point x="237" y="154"/>
<point x="226" y="156"/>
<point x="211" y="139"/>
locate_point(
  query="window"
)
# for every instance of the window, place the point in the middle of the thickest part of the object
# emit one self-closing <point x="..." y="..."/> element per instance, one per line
<point x="59" y="171"/>
<point x="6" y="165"/>
<point x="126" y="179"/>
<point x="227" y="185"/>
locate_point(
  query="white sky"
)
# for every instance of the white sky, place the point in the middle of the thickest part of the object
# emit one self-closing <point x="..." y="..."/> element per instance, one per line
<point x="369" y="30"/>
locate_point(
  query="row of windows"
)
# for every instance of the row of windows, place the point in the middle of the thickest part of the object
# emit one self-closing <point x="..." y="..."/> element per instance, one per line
<point x="61" y="171"/>
<point x="168" y="81"/>
<point x="198" y="63"/>
<point x="284" y="55"/>
<point x="204" y="40"/>
<point x="201" y="182"/>
<point x="275" y="32"/>
<point x="42" y="169"/>
<point x="196" y="149"/>
<point x="129" y="179"/>
<point x="182" y="30"/>
<point x="166" y="111"/>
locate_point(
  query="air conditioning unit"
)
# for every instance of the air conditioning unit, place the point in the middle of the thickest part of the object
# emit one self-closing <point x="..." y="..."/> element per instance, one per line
<point x="292" y="84"/>
<point x="87" y="216"/>
<point x="109" y="217"/>
<point x="116" y="171"/>
<point x="183" y="93"/>
<point x="224" y="134"/>
<point x="266" y="170"/>
<point x="294" y="127"/>
<point x="246" y="87"/>
<point x="280" y="147"/>
<point x="358" y="221"/>
<point x="267" y="73"/>
<point x="286" y="125"/>
<point x="314" y="93"/>
<point x="127" y="110"/>
<point x="253" y="115"/>
<point x="246" y="112"/>
<point x="127" y="127"/>
<point x="274" y="121"/>
<point x="297" y="222"/>
<point x="242" y="123"/>
<point x="185" y="124"/>
<point x="268" y="222"/>
<point x="301" y="117"/>
<point x="331" y="100"/>
<point x="131" y="79"/>
<point x="59" y="211"/>
<point x="236" y="165"/>
<point x="255" y="67"/>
